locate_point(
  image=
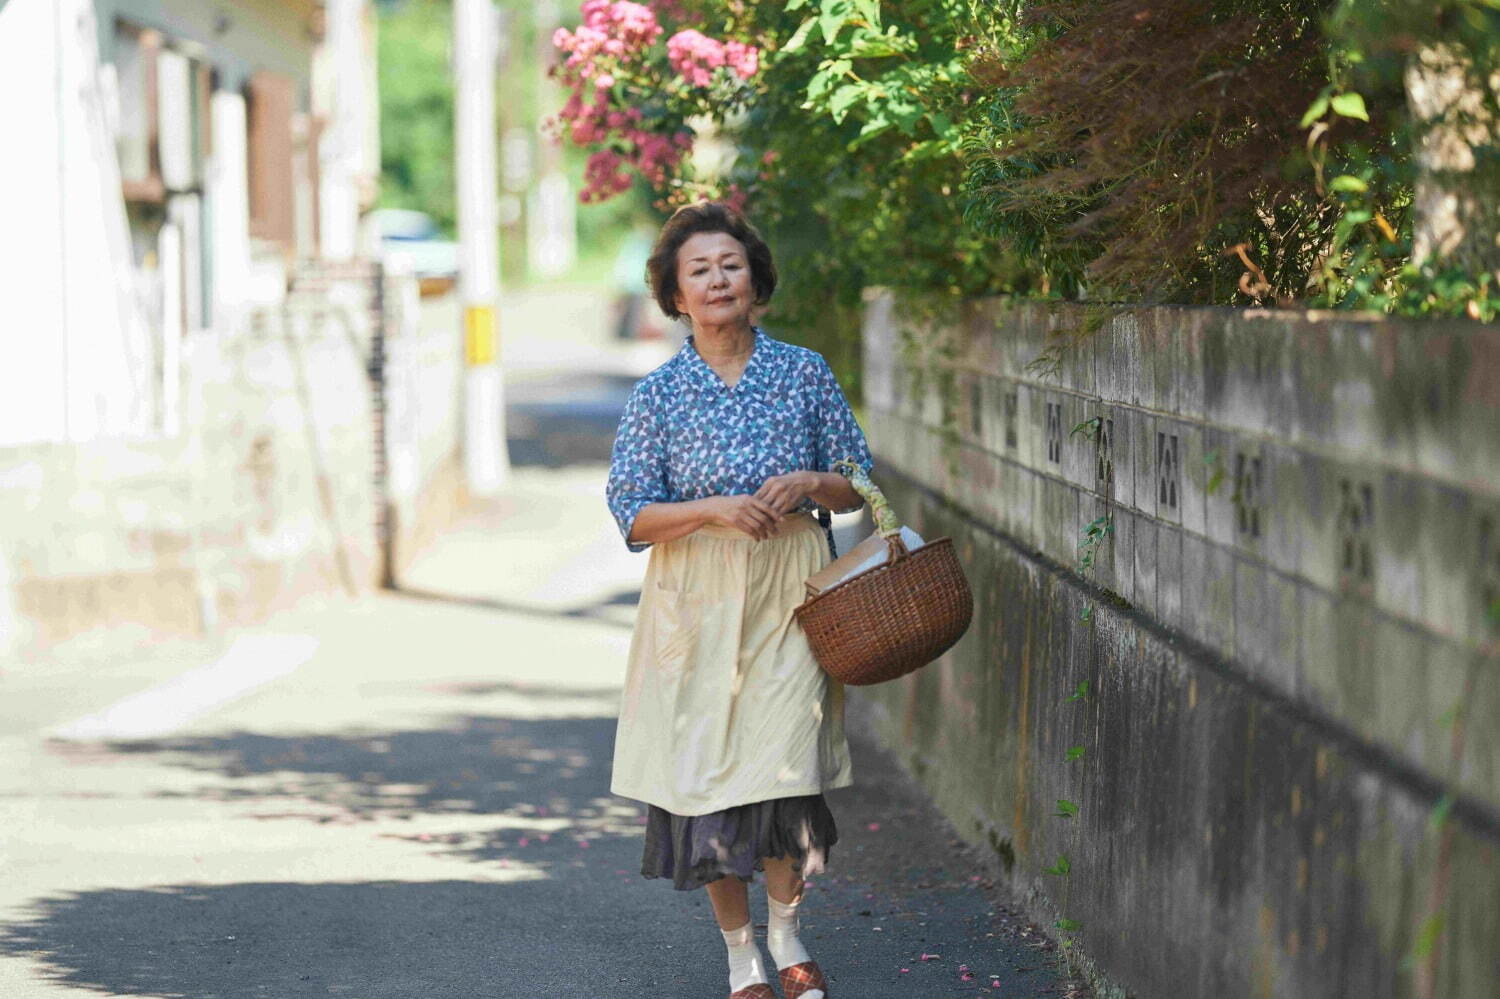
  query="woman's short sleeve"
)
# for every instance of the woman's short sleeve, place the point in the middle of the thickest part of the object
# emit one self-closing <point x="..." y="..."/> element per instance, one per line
<point x="638" y="465"/>
<point x="839" y="435"/>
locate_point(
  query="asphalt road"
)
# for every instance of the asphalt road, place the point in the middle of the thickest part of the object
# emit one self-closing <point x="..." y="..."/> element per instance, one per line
<point x="407" y="795"/>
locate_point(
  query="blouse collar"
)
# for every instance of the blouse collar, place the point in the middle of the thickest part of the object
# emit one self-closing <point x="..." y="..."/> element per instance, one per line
<point x="709" y="377"/>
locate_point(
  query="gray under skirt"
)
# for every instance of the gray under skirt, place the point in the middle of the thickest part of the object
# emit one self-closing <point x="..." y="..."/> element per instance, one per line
<point x="693" y="850"/>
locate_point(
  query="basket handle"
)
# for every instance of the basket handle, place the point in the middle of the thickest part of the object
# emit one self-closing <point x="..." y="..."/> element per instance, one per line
<point x="880" y="508"/>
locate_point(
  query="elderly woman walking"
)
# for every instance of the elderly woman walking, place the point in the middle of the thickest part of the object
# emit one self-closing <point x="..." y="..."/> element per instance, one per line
<point x="728" y="730"/>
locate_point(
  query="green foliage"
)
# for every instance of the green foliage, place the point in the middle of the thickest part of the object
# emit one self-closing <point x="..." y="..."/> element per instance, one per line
<point x="900" y="79"/>
<point x="1094" y="534"/>
<point x="1074" y="753"/>
<point x="1081" y="692"/>
<point x="1089" y="428"/>
<point x="850" y="158"/>
<point x="416" y="110"/>
<point x="1227" y="167"/>
<point x="1136" y="151"/>
<point x="1216" y="473"/>
<point x="1066" y="809"/>
<point x="1440" y="812"/>
<point x="1261" y="152"/>
<point x="1450" y="717"/>
<point x="1362" y="141"/>
<point x="1428" y="935"/>
<point x="1062" y="868"/>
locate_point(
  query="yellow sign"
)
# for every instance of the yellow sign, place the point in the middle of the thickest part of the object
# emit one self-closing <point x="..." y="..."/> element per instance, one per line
<point x="479" y="335"/>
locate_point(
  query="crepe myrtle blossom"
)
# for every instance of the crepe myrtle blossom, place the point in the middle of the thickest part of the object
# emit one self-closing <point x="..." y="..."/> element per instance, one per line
<point x="653" y="155"/>
<point x="614" y="28"/>
<point x="614" y="61"/>
<point x="695" y="56"/>
<point x="736" y="196"/>
<point x="602" y="176"/>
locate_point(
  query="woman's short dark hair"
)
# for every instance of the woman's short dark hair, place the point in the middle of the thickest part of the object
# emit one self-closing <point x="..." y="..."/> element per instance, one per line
<point x="706" y="216"/>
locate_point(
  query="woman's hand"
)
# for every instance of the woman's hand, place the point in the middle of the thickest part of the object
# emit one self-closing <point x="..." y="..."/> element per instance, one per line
<point x="750" y="514"/>
<point x="784" y="492"/>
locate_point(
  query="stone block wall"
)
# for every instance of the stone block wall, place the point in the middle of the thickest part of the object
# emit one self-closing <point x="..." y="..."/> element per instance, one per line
<point x="1287" y="761"/>
<point x="267" y="495"/>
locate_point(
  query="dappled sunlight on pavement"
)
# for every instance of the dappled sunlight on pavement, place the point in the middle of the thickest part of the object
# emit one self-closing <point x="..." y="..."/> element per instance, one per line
<point x="422" y="806"/>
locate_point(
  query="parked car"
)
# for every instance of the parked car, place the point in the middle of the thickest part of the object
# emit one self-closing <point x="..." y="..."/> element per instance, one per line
<point x="415" y="236"/>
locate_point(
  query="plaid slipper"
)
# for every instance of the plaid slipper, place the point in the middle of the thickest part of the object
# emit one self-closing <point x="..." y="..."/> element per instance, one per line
<point x="760" y="990"/>
<point x="801" y="978"/>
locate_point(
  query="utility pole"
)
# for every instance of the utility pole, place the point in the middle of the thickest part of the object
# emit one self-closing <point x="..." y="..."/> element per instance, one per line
<point x="475" y="45"/>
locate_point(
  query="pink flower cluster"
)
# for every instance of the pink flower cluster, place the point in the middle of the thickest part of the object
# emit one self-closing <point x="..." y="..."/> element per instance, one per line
<point x="671" y="10"/>
<point x="735" y="197"/>
<point x="610" y="28"/>
<point x="598" y="123"/>
<point x="655" y="156"/>
<point x="613" y="60"/>
<point x="695" y="56"/>
<point x="602" y="176"/>
<point x="596" y="120"/>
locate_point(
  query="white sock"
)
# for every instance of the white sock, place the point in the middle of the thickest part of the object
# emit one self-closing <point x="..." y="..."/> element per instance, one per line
<point x="746" y="966"/>
<point x="781" y="935"/>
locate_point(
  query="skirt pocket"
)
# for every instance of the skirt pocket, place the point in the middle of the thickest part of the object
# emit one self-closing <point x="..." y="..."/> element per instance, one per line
<point x="674" y="620"/>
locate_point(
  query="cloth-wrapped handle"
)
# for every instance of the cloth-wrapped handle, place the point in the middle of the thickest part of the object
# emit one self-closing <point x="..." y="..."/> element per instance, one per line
<point x="885" y="518"/>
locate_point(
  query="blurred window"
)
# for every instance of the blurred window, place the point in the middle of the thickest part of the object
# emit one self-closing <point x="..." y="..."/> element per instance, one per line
<point x="136" y="57"/>
<point x="269" y="106"/>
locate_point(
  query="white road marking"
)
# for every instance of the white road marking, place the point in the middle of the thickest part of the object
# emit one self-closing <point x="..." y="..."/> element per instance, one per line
<point x="251" y="662"/>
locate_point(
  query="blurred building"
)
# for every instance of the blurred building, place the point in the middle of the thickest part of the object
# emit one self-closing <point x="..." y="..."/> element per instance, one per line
<point x="197" y="356"/>
<point x="171" y="164"/>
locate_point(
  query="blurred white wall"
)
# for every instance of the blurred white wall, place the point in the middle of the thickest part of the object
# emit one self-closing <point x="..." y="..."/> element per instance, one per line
<point x="77" y="347"/>
<point x="228" y="193"/>
<point x="127" y="190"/>
<point x="345" y="100"/>
<point x="33" y="402"/>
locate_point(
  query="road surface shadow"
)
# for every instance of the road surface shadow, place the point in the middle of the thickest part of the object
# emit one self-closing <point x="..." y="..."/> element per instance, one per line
<point x="596" y="611"/>
<point x="529" y="769"/>
<point x="905" y="911"/>
<point x="372" y="939"/>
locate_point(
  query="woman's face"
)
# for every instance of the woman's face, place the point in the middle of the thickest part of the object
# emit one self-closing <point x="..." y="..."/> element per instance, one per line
<point x="713" y="279"/>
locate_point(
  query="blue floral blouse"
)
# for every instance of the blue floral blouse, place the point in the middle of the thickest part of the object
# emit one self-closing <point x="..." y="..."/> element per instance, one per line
<point x="686" y="435"/>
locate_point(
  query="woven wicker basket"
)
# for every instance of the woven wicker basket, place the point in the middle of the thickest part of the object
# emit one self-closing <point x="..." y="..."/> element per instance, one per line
<point x="894" y="618"/>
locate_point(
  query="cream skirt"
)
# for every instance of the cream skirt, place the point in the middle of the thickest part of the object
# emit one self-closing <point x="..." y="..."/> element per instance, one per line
<point x="724" y="704"/>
